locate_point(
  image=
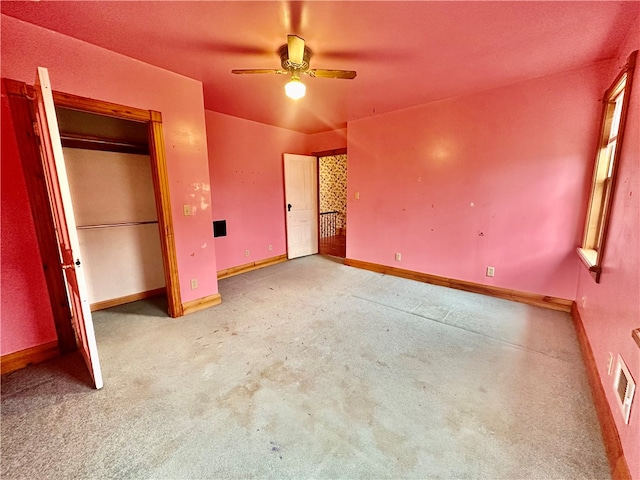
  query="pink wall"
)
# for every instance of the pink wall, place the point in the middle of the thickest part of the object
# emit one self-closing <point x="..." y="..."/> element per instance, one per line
<point x="25" y="314"/>
<point x="490" y="179"/>
<point x="82" y="69"/>
<point x="246" y="169"/>
<point x="610" y="310"/>
<point x="320" y="142"/>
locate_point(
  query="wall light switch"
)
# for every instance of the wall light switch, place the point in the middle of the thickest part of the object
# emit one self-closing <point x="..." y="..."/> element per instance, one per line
<point x="356" y="195"/>
<point x="186" y="209"/>
<point x="491" y="271"/>
<point x="194" y="284"/>
<point x="398" y="257"/>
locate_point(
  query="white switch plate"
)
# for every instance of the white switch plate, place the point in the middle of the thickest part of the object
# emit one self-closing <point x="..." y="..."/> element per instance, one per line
<point x="186" y="209"/>
<point x="398" y="257"/>
<point x="357" y="195"/>
<point x="246" y="253"/>
<point x="491" y="271"/>
<point x="270" y="247"/>
<point x="194" y="283"/>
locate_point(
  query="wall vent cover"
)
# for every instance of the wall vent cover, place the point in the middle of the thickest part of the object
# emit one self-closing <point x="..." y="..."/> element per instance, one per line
<point x="624" y="387"/>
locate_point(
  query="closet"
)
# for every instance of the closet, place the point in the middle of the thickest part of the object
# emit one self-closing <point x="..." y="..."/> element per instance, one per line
<point x="109" y="172"/>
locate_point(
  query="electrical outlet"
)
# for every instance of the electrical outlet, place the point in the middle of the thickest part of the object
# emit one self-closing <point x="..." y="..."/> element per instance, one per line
<point x="398" y="257"/>
<point x="186" y="209"/>
<point x="610" y="363"/>
<point x="491" y="271"/>
<point x="194" y="283"/>
<point x="270" y="247"/>
<point x="246" y="253"/>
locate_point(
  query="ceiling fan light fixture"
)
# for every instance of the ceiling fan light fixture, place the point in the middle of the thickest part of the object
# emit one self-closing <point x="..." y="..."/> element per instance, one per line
<point x="295" y="89"/>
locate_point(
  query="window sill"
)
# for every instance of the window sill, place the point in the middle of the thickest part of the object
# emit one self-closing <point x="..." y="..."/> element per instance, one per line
<point x="590" y="259"/>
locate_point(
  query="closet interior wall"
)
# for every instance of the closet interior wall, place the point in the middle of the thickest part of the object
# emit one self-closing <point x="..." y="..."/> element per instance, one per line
<point x="109" y="171"/>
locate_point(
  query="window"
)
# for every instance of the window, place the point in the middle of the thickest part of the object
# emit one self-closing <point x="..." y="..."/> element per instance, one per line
<point x="616" y="101"/>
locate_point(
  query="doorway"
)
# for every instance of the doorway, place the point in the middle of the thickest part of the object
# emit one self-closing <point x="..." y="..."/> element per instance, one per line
<point x="21" y="100"/>
<point x="109" y="173"/>
<point x="332" y="188"/>
<point x="301" y="197"/>
<point x="152" y="123"/>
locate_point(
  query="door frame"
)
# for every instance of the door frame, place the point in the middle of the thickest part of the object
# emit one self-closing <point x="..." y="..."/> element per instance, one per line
<point x="325" y="153"/>
<point x="22" y="96"/>
<point x="159" y="177"/>
<point x="286" y="200"/>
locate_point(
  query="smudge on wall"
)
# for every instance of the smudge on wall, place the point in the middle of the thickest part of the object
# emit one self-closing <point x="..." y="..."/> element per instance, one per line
<point x="201" y="197"/>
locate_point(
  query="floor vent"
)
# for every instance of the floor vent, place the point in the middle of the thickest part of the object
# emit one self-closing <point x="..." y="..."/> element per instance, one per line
<point x="625" y="387"/>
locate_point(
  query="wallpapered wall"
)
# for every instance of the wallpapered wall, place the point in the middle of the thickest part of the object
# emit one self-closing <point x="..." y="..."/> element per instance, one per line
<point x="333" y="186"/>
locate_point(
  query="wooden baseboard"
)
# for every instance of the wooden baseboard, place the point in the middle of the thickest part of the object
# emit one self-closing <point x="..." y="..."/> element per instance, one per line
<point x="612" y="445"/>
<point x="553" y="303"/>
<point x="114" y="302"/>
<point x="201" y="303"/>
<point x="17" y="360"/>
<point x="247" y="267"/>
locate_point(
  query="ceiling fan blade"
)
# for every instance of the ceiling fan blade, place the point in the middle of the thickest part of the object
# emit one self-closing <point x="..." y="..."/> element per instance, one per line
<point x="296" y="49"/>
<point x="249" y="70"/>
<point x="320" y="73"/>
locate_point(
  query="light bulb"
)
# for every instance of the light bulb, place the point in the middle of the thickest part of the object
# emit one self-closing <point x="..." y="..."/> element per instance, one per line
<point x="295" y="89"/>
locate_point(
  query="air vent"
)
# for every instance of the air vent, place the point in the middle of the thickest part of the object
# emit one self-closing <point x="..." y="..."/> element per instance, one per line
<point x="219" y="228"/>
<point x="624" y="387"/>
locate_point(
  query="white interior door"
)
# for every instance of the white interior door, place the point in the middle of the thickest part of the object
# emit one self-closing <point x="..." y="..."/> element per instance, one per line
<point x="60" y="198"/>
<point x="301" y="198"/>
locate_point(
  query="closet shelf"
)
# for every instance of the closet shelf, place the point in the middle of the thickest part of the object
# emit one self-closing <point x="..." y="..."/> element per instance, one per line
<point x="71" y="140"/>
<point x="109" y="225"/>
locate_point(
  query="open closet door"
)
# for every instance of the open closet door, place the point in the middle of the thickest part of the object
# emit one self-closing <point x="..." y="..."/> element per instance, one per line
<point x="301" y="197"/>
<point x="60" y="198"/>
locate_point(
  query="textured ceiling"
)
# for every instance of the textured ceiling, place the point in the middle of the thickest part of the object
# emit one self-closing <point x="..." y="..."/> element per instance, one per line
<point x="405" y="53"/>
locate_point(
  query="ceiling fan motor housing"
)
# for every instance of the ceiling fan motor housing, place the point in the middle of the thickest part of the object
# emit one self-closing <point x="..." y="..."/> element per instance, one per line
<point x="283" y="51"/>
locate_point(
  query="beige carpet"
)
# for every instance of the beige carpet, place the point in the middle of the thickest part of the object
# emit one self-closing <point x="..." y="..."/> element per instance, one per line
<point x="310" y="369"/>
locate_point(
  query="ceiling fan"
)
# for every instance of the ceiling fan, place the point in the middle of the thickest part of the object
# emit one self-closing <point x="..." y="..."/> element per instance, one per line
<point x="294" y="58"/>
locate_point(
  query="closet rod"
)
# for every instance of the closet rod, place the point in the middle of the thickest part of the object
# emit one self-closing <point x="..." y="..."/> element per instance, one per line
<point x="103" y="144"/>
<point x="105" y="141"/>
<point x="108" y="225"/>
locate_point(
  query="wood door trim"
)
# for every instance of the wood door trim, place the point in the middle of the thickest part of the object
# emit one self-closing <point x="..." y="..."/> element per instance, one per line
<point x="159" y="176"/>
<point x="331" y="153"/>
<point x="165" y="219"/>
<point x="76" y="102"/>
<point x="20" y="98"/>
